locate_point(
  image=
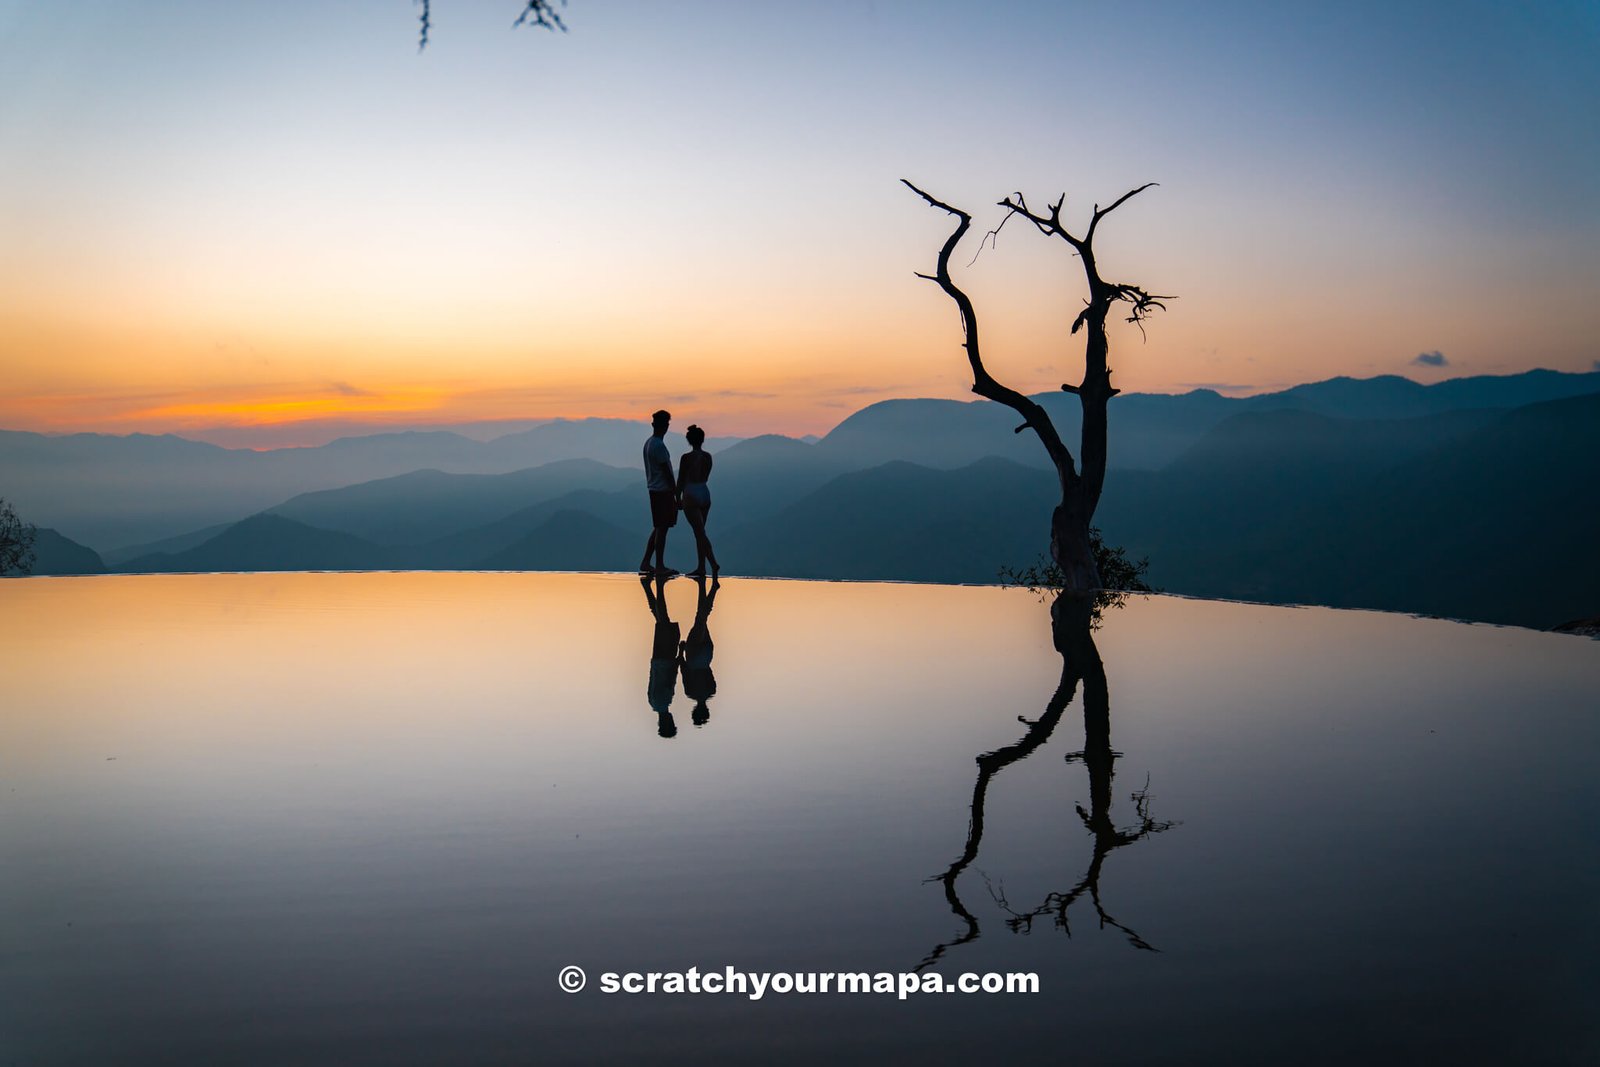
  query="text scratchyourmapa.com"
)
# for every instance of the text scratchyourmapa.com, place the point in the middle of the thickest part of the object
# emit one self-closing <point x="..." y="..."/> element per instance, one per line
<point x="757" y="984"/>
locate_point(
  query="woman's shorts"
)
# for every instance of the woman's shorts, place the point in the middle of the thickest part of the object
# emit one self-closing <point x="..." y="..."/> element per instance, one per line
<point x="697" y="496"/>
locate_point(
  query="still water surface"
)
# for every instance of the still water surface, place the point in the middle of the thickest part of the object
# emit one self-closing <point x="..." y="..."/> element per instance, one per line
<point x="367" y="818"/>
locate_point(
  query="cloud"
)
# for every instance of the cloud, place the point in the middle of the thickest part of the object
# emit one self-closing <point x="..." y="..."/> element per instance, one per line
<point x="1596" y="365"/>
<point x="1430" y="359"/>
<point x="864" y="390"/>
<point x="1218" y="387"/>
<point x="741" y="394"/>
<point x="346" y="389"/>
<point x="719" y="394"/>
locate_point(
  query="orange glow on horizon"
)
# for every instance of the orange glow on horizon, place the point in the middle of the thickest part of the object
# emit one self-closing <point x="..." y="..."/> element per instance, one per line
<point x="314" y="414"/>
<point x="286" y="410"/>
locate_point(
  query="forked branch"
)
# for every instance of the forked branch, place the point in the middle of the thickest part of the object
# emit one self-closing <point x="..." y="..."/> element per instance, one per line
<point x="542" y="13"/>
<point x="1051" y="224"/>
<point x="983" y="383"/>
<point x="1100" y="213"/>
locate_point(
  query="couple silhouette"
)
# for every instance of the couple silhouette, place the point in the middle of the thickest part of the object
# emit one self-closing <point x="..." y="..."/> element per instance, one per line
<point x="668" y="495"/>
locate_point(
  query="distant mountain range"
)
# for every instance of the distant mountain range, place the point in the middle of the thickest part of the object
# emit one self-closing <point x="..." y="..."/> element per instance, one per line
<point x="1150" y="430"/>
<point x="121" y="494"/>
<point x="1473" y="498"/>
<point x="116" y="492"/>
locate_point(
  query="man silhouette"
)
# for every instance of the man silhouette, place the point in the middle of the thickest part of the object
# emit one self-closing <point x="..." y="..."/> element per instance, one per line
<point x="663" y="495"/>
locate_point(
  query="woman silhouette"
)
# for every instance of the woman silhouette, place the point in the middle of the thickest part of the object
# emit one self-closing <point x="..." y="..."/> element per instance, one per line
<point x="694" y="469"/>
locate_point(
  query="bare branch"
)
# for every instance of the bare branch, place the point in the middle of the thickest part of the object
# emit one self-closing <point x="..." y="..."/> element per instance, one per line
<point x="992" y="238"/>
<point x="1141" y="303"/>
<point x="940" y="204"/>
<point x="541" y="13"/>
<point x="1118" y="202"/>
<point x="982" y="382"/>
<point x="1049" y="225"/>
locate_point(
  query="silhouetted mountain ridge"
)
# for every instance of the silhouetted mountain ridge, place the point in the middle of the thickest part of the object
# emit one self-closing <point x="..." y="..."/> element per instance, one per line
<point x="1147" y="431"/>
<point x="424" y="505"/>
<point x="271" y="543"/>
<point x="569" y="540"/>
<point x="1495" y="523"/>
<point x="55" y="554"/>
<point x="902" y="521"/>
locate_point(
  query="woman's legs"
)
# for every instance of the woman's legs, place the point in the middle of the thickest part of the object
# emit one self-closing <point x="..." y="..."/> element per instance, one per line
<point x="702" y="543"/>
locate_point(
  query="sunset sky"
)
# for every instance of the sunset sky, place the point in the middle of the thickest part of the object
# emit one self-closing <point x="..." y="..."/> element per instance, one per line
<point x="275" y="222"/>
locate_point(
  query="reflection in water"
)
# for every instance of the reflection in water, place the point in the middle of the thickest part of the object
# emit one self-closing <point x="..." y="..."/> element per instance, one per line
<point x="699" y="684"/>
<point x="663" y="685"/>
<point x="1072" y="623"/>
<point x="357" y="812"/>
<point x="668" y="653"/>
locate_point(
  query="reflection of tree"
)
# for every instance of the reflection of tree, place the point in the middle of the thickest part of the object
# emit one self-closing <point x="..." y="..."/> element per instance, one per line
<point x="1072" y="620"/>
<point x="989" y="765"/>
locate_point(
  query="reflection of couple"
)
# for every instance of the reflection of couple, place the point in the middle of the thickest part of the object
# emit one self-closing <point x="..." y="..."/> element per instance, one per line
<point x="667" y="654"/>
<point x="667" y="494"/>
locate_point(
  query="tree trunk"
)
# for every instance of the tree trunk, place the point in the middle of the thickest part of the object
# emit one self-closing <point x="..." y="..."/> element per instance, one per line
<point x="1093" y="395"/>
<point x="1070" y="547"/>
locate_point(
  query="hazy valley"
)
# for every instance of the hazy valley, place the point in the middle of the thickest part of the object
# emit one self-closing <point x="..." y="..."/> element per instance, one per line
<point x="1472" y="498"/>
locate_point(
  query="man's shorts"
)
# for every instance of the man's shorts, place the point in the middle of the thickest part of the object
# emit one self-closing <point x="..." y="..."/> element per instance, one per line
<point x="663" y="508"/>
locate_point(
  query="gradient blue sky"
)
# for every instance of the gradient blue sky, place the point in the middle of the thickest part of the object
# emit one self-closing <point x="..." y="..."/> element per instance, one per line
<point x="277" y="221"/>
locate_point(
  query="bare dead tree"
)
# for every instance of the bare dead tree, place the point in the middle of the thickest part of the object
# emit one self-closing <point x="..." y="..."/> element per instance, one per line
<point x="1070" y="545"/>
<point x="534" y="12"/>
